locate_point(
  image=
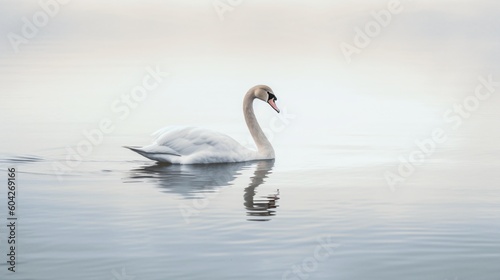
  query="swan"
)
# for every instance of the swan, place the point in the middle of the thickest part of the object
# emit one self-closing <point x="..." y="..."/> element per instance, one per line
<point x="192" y="145"/>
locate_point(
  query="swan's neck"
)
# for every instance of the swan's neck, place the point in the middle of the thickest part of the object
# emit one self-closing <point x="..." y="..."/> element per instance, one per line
<point x="264" y="147"/>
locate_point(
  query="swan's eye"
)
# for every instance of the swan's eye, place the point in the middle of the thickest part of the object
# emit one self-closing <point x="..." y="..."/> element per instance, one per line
<point x="271" y="96"/>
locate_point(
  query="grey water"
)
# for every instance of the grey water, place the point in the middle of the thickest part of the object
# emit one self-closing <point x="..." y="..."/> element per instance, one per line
<point x="316" y="212"/>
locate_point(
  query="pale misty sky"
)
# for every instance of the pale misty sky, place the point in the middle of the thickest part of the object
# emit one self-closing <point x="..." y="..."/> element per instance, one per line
<point x="428" y="57"/>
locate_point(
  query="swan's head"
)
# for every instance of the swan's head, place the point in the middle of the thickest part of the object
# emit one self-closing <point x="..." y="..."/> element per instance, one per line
<point x="266" y="94"/>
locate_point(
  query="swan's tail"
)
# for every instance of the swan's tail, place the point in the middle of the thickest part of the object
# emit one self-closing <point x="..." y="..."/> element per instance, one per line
<point x="136" y="149"/>
<point x="157" y="153"/>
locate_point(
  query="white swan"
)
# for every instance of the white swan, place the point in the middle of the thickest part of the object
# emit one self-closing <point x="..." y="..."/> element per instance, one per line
<point x="191" y="145"/>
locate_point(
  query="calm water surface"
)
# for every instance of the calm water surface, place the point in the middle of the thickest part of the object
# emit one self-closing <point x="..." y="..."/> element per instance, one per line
<point x="321" y="210"/>
<point x="316" y="212"/>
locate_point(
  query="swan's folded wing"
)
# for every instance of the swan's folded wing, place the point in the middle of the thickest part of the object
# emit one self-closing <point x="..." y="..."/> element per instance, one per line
<point x="169" y="129"/>
<point x="191" y="140"/>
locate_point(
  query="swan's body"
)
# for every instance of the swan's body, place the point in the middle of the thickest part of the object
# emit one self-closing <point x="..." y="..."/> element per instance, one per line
<point x="191" y="145"/>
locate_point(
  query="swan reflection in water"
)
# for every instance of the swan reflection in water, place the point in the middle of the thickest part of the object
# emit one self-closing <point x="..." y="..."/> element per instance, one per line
<point x="199" y="180"/>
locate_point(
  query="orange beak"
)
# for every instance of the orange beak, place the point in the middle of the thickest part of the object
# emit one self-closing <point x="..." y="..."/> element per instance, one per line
<point x="271" y="102"/>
